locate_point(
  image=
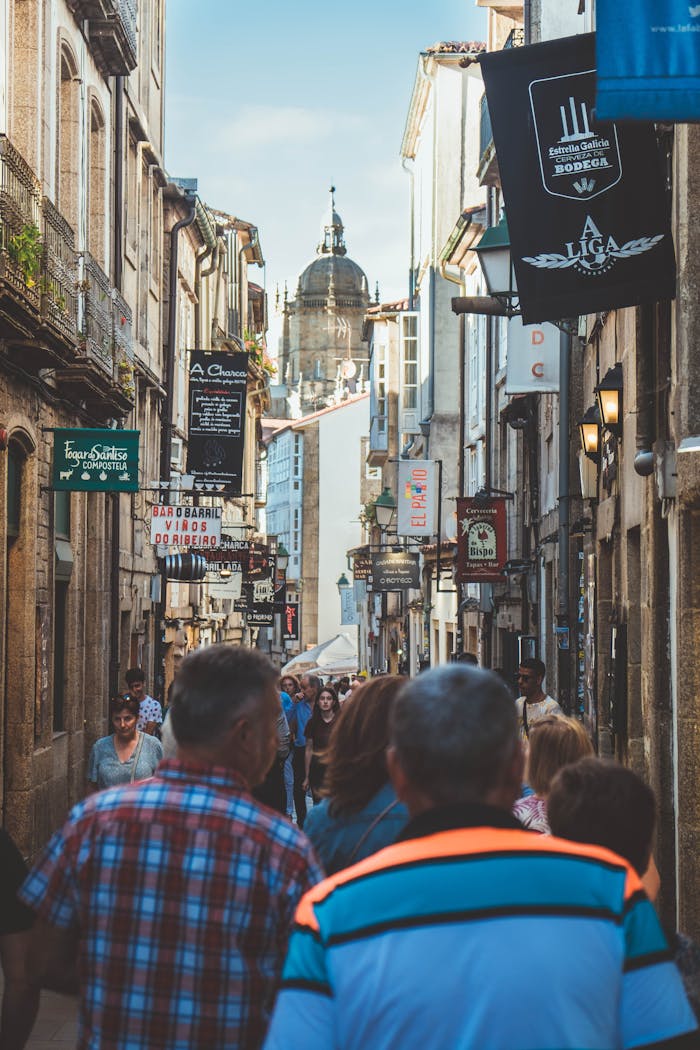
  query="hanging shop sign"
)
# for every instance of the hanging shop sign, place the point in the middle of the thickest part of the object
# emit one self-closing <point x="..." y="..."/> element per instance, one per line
<point x="648" y="57"/>
<point x="260" y="562"/>
<point x="231" y="554"/>
<point x="179" y="526"/>
<point x="482" y="549"/>
<point x="258" y="618"/>
<point x="587" y="210"/>
<point x="362" y="566"/>
<point x="257" y="596"/>
<point x="95" y="460"/>
<point x="185" y="567"/>
<point x="395" y="571"/>
<point x="533" y="358"/>
<point x="217" y="400"/>
<point x="348" y="608"/>
<point x="415" y="514"/>
<point x="290" y="622"/>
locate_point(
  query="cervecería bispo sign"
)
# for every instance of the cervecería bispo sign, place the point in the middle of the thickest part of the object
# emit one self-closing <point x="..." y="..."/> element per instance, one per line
<point x="96" y="460"/>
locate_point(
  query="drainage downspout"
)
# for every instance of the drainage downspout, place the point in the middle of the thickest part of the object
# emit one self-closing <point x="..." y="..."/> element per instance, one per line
<point x="563" y="584"/>
<point x="200" y="257"/>
<point x="166" y="427"/>
<point x="412" y="207"/>
<point x="114" y="598"/>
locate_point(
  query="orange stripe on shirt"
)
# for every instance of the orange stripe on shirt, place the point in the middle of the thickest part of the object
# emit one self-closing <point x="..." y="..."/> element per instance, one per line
<point x="459" y="842"/>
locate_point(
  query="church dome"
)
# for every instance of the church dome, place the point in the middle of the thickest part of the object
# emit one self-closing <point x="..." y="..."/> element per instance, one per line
<point x="345" y="276"/>
<point x="332" y="275"/>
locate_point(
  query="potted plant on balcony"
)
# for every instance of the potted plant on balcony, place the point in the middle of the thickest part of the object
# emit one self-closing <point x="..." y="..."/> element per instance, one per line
<point x="25" y="249"/>
<point x="125" y="378"/>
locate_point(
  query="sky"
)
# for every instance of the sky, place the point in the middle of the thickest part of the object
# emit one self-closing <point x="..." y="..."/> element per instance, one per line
<point x="269" y="103"/>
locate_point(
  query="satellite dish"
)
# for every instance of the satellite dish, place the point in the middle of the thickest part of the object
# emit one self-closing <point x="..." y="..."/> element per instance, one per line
<point x="348" y="369"/>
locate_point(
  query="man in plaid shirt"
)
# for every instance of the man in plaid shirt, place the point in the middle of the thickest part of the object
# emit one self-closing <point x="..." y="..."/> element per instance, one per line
<point x="171" y="901"/>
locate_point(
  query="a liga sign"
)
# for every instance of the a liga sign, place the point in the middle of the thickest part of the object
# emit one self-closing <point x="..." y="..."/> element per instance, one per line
<point x="179" y="526"/>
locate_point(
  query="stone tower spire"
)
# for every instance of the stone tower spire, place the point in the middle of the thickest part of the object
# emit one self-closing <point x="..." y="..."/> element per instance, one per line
<point x="333" y="232"/>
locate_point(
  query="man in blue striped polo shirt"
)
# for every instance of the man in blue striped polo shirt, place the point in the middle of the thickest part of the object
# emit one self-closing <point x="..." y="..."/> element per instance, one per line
<point x="470" y="932"/>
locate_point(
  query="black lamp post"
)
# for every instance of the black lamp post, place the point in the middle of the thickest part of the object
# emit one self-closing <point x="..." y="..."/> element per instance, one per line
<point x="384" y="509"/>
<point x="493" y="253"/>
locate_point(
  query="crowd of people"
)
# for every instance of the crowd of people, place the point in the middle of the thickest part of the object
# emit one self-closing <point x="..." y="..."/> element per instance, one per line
<point x="288" y="863"/>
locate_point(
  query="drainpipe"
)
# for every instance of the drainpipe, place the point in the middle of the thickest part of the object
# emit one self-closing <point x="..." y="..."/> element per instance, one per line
<point x="563" y="584"/>
<point x="166" y="427"/>
<point x="410" y="171"/>
<point x="200" y="257"/>
<point x="114" y="598"/>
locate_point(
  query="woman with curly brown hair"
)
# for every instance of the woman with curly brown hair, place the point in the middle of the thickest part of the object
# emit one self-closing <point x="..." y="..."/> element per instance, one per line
<point x="360" y="813"/>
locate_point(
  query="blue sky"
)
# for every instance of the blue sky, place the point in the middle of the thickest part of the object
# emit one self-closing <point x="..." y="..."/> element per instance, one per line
<point x="267" y="103"/>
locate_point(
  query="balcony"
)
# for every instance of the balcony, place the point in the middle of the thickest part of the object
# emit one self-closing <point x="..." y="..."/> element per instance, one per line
<point x="20" y="241"/>
<point x="111" y="32"/>
<point x="487" y="172"/>
<point x="378" y="441"/>
<point x="59" y="277"/>
<point x="102" y="373"/>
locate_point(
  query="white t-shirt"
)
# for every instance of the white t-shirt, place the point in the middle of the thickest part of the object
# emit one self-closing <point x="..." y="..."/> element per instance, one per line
<point x="535" y="712"/>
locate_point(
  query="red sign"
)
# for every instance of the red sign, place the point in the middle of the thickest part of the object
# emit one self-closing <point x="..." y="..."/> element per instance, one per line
<point x="290" y="622"/>
<point x="482" y="549"/>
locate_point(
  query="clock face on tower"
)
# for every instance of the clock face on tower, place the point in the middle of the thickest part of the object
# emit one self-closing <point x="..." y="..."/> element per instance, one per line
<point x="481" y="541"/>
<point x="348" y="369"/>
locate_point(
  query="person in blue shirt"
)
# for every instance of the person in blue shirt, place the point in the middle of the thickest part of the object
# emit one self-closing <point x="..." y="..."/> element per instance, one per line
<point x="304" y="704"/>
<point x="289" y="687"/>
<point x="360" y="813"/>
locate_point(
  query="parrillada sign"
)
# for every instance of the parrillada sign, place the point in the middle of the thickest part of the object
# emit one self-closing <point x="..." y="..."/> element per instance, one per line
<point x="588" y="217"/>
<point x="96" y="460"/>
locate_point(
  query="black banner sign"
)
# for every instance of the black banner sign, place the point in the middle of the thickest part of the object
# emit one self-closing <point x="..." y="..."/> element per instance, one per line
<point x="232" y="554"/>
<point x="290" y="622"/>
<point x="395" y="571"/>
<point x="256" y="618"/>
<point x="361" y="566"/>
<point x="217" y="418"/>
<point x="588" y="217"/>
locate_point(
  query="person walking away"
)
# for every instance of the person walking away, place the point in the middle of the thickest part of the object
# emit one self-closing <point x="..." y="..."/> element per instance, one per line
<point x="289" y="687"/>
<point x="272" y="792"/>
<point x="470" y="932"/>
<point x="533" y="703"/>
<point x="20" y="1000"/>
<point x="305" y="701"/>
<point x="127" y="754"/>
<point x="555" y="741"/>
<point x="609" y="805"/>
<point x="150" y="711"/>
<point x="176" y="895"/>
<point x="360" y="812"/>
<point x="318" y="735"/>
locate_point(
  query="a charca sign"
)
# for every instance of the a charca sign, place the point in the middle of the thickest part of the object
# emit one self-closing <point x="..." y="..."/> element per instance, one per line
<point x="588" y="216"/>
<point x="96" y="460"/>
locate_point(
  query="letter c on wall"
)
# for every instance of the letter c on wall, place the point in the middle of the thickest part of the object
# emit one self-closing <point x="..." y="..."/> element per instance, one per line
<point x="538" y="370"/>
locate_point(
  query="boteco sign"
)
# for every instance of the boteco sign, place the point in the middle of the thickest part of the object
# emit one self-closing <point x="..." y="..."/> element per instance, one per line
<point x="395" y="571"/>
<point x="96" y="460"/>
<point x="587" y="211"/>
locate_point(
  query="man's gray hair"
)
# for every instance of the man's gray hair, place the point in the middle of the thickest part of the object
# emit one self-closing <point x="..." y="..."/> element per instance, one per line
<point x="454" y="730"/>
<point x="214" y="687"/>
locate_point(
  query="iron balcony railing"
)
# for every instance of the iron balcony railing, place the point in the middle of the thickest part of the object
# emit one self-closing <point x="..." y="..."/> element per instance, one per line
<point x="111" y="32"/>
<point x="20" y="225"/>
<point x="95" y="320"/>
<point x="59" y="275"/>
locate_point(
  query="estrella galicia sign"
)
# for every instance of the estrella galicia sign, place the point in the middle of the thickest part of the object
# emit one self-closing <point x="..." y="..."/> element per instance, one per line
<point x="579" y="159"/>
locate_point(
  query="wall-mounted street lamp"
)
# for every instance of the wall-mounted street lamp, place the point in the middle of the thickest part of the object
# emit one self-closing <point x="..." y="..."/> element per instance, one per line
<point x="609" y="392"/>
<point x="384" y="509"/>
<point x="493" y="253"/>
<point x="343" y="583"/>
<point x="225" y="574"/>
<point x="282" y="557"/>
<point x="589" y="429"/>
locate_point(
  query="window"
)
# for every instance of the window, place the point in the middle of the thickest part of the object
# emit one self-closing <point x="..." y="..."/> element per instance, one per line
<point x="61" y="518"/>
<point x="14" y="490"/>
<point x="68" y="128"/>
<point x="380" y="382"/>
<point x="409" y="347"/>
<point x="96" y="184"/>
<point x="298" y="457"/>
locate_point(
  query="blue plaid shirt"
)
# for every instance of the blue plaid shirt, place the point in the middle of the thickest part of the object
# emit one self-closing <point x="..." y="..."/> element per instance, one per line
<point x="183" y="890"/>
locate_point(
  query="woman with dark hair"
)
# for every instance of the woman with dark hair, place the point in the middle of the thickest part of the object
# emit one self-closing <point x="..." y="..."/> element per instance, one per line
<point x="318" y="735"/>
<point x="360" y="813"/>
<point x="127" y="754"/>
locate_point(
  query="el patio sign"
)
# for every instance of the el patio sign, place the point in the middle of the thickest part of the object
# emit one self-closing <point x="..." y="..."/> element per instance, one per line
<point x="96" y="460"/>
<point x="481" y="540"/>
